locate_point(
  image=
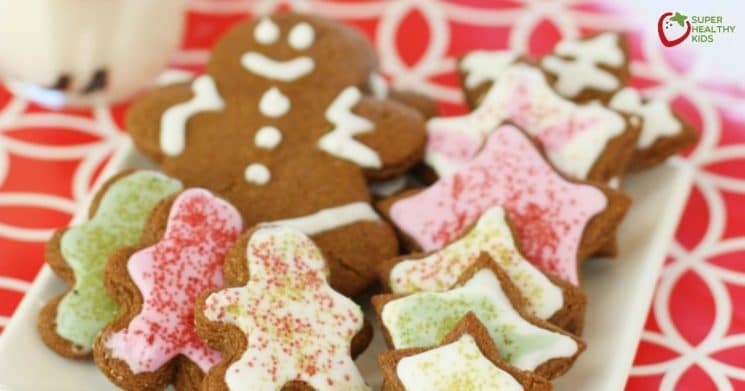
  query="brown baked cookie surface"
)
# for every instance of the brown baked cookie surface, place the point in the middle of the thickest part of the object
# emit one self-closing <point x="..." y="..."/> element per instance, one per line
<point x="281" y="128"/>
<point x="558" y="222"/>
<point x="153" y="341"/>
<point x="278" y="322"/>
<point x="422" y="319"/>
<point x="465" y="360"/>
<point x="546" y="297"/>
<point x="69" y="323"/>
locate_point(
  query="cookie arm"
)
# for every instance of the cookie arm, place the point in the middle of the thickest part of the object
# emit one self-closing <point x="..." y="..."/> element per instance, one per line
<point x="143" y="118"/>
<point x="398" y="136"/>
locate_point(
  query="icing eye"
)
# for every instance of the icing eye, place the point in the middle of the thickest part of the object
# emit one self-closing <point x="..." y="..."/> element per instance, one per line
<point x="301" y="36"/>
<point x="266" y="32"/>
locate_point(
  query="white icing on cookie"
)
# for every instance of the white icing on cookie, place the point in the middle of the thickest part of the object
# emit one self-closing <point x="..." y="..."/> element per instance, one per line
<point x="659" y="120"/>
<point x="573" y="135"/>
<point x="582" y="71"/>
<point x="378" y="86"/>
<point x="601" y="49"/>
<point x="266" y="32"/>
<point x="492" y="235"/>
<point x="452" y="367"/>
<point x="423" y="319"/>
<point x="301" y="36"/>
<point x="268" y="137"/>
<point x="290" y="70"/>
<point x="173" y="122"/>
<point x="340" y="141"/>
<point x="615" y="183"/>
<point x="257" y="173"/>
<point x="481" y="66"/>
<point x="330" y="218"/>
<point x="274" y="104"/>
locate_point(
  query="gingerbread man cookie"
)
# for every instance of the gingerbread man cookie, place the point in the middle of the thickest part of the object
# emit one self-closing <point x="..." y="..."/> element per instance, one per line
<point x="558" y="222"/>
<point x="69" y="323"/>
<point x="153" y="342"/>
<point x="466" y="360"/>
<point x="278" y="323"/>
<point x="547" y="298"/>
<point x="421" y="320"/>
<point x="280" y="127"/>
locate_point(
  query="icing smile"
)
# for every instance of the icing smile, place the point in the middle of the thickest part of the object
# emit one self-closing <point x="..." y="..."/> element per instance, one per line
<point x="266" y="67"/>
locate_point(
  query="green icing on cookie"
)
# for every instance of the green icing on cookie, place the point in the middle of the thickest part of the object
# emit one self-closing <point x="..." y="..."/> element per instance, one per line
<point x="424" y="319"/>
<point x="118" y="222"/>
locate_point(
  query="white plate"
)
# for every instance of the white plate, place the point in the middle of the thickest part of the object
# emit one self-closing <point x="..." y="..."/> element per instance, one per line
<point x="620" y="291"/>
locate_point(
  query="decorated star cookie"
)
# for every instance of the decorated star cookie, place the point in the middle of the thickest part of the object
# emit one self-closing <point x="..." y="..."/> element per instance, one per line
<point x="663" y="133"/>
<point x="547" y="298"/>
<point x="69" y="322"/>
<point x="279" y="324"/>
<point x="557" y="222"/>
<point x="582" y="141"/>
<point x="423" y="319"/>
<point x="465" y="360"/>
<point x="153" y="342"/>
<point x="589" y="69"/>
<point x="286" y="125"/>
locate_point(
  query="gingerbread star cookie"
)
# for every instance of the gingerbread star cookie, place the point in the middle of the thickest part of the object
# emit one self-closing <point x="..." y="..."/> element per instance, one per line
<point x="69" y="323"/>
<point x="546" y="297"/>
<point x="586" y="142"/>
<point x="465" y="360"/>
<point x="278" y="323"/>
<point x="421" y="320"/>
<point x="153" y="342"/>
<point x="558" y="222"/>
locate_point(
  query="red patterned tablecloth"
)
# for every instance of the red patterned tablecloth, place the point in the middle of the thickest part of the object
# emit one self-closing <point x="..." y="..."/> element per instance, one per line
<point x="695" y="334"/>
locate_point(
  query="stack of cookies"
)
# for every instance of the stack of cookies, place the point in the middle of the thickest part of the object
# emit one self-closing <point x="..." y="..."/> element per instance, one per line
<point x="292" y="181"/>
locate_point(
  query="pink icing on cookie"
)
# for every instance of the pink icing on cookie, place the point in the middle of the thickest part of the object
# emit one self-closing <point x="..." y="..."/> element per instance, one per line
<point x="549" y="213"/>
<point x="170" y="275"/>
<point x="297" y="327"/>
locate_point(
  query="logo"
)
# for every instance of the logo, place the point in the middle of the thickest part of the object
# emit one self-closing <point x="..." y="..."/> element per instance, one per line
<point x="664" y="24"/>
<point x="675" y="28"/>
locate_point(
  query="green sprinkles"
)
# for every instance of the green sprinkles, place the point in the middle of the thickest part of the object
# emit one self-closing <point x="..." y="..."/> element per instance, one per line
<point x="118" y="223"/>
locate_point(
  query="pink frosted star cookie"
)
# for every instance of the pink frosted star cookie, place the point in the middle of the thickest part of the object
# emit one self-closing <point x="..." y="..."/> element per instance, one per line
<point x="153" y="342"/>
<point x="278" y="323"/>
<point x="558" y="222"/>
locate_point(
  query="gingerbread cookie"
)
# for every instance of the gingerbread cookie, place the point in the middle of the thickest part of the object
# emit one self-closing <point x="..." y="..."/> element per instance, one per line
<point x="378" y="87"/>
<point x="465" y="360"/>
<point x="581" y="70"/>
<point x="546" y="297"/>
<point x="280" y="127"/>
<point x="663" y="133"/>
<point x="153" y="342"/>
<point x="278" y="322"/>
<point x="586" y="142"/>
<point x="421" y="320"/>
<point x="558" y="222"/>
<point x="589" y="69"/>
<point x="69" y="323"/>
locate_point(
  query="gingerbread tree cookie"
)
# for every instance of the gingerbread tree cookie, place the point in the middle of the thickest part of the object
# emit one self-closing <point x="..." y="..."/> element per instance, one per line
<point x="281" y="128"/>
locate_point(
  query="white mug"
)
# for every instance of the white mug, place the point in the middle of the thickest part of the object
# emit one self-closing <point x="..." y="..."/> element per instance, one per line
<point x="78" y="52"/>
